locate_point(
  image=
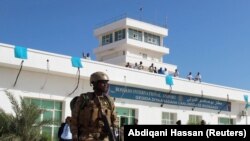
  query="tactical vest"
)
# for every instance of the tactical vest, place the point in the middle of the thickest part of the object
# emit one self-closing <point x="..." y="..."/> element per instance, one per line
<point x="89" y="117"/>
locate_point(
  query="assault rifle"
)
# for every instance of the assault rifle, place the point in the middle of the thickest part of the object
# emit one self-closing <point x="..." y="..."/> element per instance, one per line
<point x="107" y="128"/>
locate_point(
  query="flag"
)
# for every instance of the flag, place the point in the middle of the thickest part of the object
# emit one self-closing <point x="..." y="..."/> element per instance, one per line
<point x="169" y="80"/>
<point x="21" y="52"/>
<point x="76" y="62"/>
<point x="246" y="100"/>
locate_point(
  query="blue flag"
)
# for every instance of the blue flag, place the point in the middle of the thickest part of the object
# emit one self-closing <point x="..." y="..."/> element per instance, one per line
<point x="246" y="100"/>
<point x="21" y="52"/>
<point x="76" y="62"/>
<point x="169" y="80"/>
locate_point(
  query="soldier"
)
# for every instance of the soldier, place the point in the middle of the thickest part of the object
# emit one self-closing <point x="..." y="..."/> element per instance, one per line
<point x="93" y="113"/>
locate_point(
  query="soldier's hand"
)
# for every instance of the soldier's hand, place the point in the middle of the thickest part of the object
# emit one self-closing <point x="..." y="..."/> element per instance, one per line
<point x="101" y="123"/>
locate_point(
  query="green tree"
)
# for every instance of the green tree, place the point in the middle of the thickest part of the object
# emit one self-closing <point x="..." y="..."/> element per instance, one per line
<point x="23" y="124"/>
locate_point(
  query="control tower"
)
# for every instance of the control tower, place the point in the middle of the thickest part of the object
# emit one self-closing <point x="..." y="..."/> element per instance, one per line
<point x="129" y="40"/>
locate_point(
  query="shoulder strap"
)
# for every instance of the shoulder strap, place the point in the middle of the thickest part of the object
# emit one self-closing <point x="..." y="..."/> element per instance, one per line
<point x="110" y="101"/>
<point x="85" y="98"/>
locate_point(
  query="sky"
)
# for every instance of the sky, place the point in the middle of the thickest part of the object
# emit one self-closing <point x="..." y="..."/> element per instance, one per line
<point x="207" y="36"/>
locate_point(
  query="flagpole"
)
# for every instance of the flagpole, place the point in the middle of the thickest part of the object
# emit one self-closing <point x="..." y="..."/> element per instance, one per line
<point x="246" y="116"/>
<point x="141" y="12"/>
<point x="246" y="106"/>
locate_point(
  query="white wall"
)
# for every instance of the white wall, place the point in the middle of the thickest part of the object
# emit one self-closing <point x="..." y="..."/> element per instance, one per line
<point x="62" y="80"/>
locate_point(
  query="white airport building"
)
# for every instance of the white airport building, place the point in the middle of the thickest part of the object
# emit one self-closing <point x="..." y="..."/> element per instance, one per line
<point x="47" y="79"/>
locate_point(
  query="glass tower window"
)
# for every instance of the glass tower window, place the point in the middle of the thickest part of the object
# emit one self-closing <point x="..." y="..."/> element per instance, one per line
<point x="107" y="39"/>
<point x="119" y="35"/>
<point x="135" y="34"/>
<point x="152" y="39"/>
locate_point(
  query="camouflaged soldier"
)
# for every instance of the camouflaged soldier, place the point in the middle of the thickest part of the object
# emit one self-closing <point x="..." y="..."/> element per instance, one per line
<point x="89" y="109"/>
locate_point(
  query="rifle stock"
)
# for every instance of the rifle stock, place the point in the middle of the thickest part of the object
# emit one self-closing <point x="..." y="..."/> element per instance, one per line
<point x="106" y="124"/>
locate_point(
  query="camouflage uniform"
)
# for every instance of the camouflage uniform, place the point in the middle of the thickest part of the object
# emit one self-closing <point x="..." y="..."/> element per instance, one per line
<point x="87" y="122"/>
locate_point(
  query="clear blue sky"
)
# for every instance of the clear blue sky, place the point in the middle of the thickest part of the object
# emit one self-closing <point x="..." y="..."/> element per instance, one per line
<point x="209" y="36"/>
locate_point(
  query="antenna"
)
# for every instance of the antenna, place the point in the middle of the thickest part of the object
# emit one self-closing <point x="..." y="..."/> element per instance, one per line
<point x="141" y="12"/>
<point x="166" y="21"/>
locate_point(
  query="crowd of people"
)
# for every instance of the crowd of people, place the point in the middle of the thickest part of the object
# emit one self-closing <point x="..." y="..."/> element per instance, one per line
<point x="151" y="68"/>
<point x="196" y="78"/>
<point x="162" y="70"/>
<point x="87" y="56"/>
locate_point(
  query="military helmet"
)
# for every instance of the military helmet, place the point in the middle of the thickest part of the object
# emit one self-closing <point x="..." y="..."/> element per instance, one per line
<point x="97" y="76"/>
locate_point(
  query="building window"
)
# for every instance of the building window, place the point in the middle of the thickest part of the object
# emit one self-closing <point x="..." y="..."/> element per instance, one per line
<point x="125" y="116"/>
<point x="135" y="34"/>
<point x="225" y="121"/>
<point x="168" y="118"/>
<point x="53" y="111"/>
<point x="152" y="39"/>
<point x="194" y="119"/>
<point x="119" y="35"/>
<point x="107" y="39"/>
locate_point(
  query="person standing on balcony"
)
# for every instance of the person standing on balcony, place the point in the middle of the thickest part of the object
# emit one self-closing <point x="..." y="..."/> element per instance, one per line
<point x="136" y="66"/>
<point x="151" y="68"/>
<point x="198" y="77"/>
<point x="128" y="65"/>
<point x="88" y="56"/>
<point x="140" y="67"/>
<point x="166" y="71"/>
<point x="189" y="76"/>
<point x="176" y="73"/>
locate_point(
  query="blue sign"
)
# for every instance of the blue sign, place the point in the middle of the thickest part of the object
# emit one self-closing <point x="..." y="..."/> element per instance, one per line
<point x="246" y="100"/>
<point x="76" y="62"/>
<point x="169" y="80"/>
<point x="166" y="98"/>
<point x="21" y="52"/>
